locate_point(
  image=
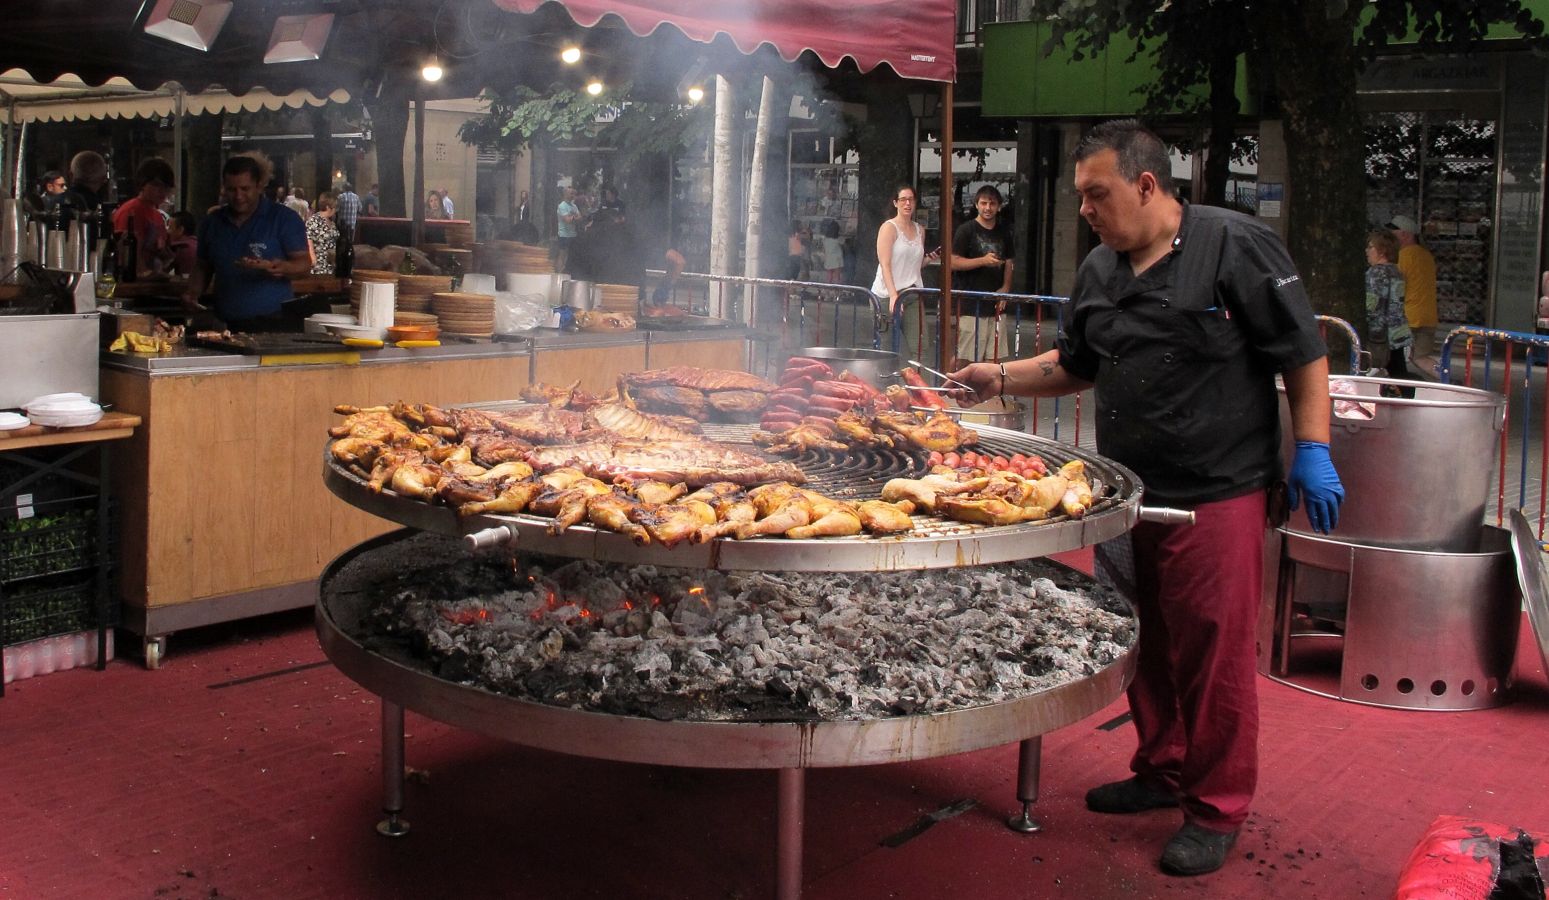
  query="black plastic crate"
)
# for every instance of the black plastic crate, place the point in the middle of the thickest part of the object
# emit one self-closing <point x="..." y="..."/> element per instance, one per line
<point x="51" y="538"/>
<point x="44" y="608"/>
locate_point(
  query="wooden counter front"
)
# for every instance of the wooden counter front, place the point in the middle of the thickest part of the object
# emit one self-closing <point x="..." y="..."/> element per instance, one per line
<point x="221" y="488"/>
<point x="223" y="509"/>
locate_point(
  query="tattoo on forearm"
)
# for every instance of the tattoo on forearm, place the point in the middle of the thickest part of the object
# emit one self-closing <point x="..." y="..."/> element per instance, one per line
<point x="1046" y="367"/>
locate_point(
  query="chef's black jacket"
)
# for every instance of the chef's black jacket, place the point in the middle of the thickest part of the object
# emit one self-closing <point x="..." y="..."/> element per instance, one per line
<point x="1184" y="355"/>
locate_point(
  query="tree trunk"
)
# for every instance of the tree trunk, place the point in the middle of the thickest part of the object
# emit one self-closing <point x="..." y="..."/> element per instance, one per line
<point x="722" y="228"/>
<point x="1325" y="155"/>
<point x="1223" y="125"/>
<point x="756" y="193"/>
<point x="389" y="128"/>
<point x="887" y="151"/>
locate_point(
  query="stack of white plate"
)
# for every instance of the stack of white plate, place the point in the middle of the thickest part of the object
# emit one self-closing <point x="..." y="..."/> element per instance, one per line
<point x="10" y="421"/>
<point x="63" y="410"/>
<point x="318" y="324"/>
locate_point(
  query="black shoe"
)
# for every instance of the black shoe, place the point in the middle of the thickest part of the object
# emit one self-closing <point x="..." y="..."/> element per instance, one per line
<point x="1196" y="851"/>
<point x="1129" y="796"/>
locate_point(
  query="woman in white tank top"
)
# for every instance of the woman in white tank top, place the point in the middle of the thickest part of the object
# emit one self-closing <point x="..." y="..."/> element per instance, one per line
<point x="900" y="254"/>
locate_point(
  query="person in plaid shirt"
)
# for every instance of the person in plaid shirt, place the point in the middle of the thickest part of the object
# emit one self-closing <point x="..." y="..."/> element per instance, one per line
<point x="347" y="209"/>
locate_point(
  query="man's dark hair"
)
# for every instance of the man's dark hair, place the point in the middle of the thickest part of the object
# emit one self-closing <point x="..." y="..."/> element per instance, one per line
<point x="244" y="165"/>
<point x="345" y="188"/>
<point x="185" y="220"/>
<point x="1138" y="148"/>
<point x="48" y="178"/>
<point x="989" y="190"/>
<point x="154" y="170"/>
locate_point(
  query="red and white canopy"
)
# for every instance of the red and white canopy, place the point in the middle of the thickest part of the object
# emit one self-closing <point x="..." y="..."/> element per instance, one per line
<point x="917" y="38"/>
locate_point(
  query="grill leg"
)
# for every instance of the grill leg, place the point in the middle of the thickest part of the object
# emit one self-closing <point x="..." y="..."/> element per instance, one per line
<point x="1027" y="786"/>
<point x="392" y="771"/>
<point x="793" y="801"/>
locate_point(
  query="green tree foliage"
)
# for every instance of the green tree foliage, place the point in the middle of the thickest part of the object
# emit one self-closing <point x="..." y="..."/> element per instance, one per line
<point x="521" y="115"/>
<point x="1312" y="52"/>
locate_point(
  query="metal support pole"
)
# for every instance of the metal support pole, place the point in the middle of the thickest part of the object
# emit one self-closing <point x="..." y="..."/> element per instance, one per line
<point x="793" y="802"/>
<point x="392" y="771"/>
<point x="948" y="310"/>
<point x="1027" y="786"/>
<point x="177" y="147"/>
<point x="104" y="555"/>
<point x="8" y="164"/>
<point x="417" y="228"/>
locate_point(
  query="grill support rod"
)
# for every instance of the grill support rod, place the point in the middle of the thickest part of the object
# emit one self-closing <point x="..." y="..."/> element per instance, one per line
<point x="792" y="811"/>
<point x="1029" y="756"/>
<point x="392" y="771"/>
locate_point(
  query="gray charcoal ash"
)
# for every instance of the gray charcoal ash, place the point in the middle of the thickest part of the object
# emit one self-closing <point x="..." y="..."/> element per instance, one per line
<point x="634" y="640"/>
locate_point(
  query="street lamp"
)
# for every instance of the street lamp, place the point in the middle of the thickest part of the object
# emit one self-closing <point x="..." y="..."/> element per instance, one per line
<point x="432" y="70"/>
<point x="570" y="55"/>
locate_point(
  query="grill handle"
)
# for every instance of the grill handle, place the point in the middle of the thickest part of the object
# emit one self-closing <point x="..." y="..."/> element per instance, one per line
<point x="1163" y="515"/>
<point x="488" y="538"/>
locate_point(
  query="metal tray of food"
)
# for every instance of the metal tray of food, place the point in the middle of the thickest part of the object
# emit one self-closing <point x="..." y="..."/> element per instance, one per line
<point x="934" y="543"/>
<point x="683" y="323"/>
<point x="270" y="343"/>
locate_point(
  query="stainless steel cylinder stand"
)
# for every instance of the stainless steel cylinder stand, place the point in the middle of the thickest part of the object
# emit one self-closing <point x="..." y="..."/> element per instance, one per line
<point x="394" y="826"/>
<point x="1029" y="756"/>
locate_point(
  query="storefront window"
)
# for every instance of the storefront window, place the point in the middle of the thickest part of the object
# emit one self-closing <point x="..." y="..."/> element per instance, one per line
<point x="1439" y="167"/>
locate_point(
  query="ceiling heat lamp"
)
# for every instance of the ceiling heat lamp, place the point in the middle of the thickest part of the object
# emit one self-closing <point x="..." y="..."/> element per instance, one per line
<point x="192" y="23"/>
<point x="299" y="38"/>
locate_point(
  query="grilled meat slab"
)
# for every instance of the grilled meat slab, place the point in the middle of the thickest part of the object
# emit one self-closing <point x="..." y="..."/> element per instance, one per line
<point x="701" y="379"/>
<point x="541" y="424"/>
<point x="639" y="426"/>
<point x="695" y="463"/>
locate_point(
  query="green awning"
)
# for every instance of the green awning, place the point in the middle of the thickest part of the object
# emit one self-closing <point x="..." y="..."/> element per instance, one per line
<point x="1020" y="82"/>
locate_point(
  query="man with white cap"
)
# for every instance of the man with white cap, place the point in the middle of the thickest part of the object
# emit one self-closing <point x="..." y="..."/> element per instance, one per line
<point x="1419" y="269"/>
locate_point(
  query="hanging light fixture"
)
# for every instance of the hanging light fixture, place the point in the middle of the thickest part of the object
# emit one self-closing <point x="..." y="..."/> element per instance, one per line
<point x="432" y="70"/>
<point x="691" y="87"/>
<point x="570" y="55"/>
<point x="192" y="23"/>
<point x="594" y="87"/>
<point x="299" y="38"/>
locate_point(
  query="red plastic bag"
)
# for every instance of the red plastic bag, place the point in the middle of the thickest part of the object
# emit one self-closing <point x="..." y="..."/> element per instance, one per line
<point x="1464" y="859"/>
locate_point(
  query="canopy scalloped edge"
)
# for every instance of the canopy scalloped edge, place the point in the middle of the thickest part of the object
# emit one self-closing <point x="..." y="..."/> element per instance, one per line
<point x="933" y="21"/>
<point x="71" y="99"/>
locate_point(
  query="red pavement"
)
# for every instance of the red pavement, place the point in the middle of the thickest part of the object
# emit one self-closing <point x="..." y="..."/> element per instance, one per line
<point x="190" y="782"/>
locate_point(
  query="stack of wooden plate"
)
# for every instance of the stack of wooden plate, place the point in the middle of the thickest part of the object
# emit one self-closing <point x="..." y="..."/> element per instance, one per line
<point x="363" y="275"/>
<point x="510" y="256"/>
<point x="402" y="317"/>
<point x="623" y="298"/>
<point x="466" y="315"/>
<point x="414" y="291"/>
<point x="459" y="234"/>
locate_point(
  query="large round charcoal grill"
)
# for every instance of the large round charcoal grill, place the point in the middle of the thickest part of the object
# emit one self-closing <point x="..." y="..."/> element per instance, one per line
<point x="790" y="747"/>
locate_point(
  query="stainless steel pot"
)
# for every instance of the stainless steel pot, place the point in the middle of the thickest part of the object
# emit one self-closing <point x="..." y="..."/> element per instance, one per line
<point x="578" y="295"/>
<point x="877" y="367"/>
<point x="1416" y="471"/>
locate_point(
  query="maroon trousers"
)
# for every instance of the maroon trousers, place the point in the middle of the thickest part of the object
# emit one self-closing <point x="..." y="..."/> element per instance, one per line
<point x="1195" y="694"/>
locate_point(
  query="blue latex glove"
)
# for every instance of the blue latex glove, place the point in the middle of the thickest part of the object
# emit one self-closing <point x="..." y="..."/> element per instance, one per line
<point x="1312" y="473"/>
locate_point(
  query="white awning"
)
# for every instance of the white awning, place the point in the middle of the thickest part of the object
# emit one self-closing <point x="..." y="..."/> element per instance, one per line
<point x="71" y="100"/>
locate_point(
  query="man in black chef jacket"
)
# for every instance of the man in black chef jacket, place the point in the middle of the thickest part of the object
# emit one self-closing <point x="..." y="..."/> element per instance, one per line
<point x="1181" y="319"/>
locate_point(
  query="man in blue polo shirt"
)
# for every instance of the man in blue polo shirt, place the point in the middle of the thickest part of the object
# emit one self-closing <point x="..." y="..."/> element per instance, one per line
<point x="252" y="247"/>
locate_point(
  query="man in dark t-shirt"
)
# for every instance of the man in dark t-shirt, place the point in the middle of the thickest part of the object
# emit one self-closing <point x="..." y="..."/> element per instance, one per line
<point x="981" y="261"/>
<point x="1181" y="320"/>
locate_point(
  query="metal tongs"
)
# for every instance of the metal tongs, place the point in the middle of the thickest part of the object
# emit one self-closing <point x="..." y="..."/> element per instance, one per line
<point x="946" y="379"/>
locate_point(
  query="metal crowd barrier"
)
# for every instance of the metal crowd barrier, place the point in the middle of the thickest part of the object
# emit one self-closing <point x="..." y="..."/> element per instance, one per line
<point x="1356" y="353"/>
<point x="788" y="314"/>
<point x="1531" y="437"/>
